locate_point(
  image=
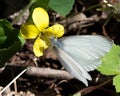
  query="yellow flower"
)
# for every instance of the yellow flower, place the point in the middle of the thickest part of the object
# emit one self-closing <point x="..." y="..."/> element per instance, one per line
<point x="40" y="30"/>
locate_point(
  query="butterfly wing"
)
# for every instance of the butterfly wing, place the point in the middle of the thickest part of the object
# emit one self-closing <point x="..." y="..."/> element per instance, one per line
<point x="82" y="53"/>
<point x="72" y="66"/>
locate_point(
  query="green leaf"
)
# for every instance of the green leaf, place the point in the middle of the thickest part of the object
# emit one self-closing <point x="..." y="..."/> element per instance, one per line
<point x="40" y="3"/>
<point x="10" y="43"/>
<point x="63" y="7"/>
<point x="111" y="65"/>
<point x="7" y="53"/>
<point x="2" y="36"/>
<point x="77" y="94"/>
<point x="111" y="62"/>
<point x="116" y="82"/>
<point x="7" y="32"/>
<point x="3" y="25"/>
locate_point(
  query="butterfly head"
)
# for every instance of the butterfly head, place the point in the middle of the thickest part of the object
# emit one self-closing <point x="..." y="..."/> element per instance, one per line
<point x="55" y="42"/>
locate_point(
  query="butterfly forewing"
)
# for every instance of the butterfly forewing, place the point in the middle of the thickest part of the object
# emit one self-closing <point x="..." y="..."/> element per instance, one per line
<point x="79" y="54"/>
<point x="87" y="49"/>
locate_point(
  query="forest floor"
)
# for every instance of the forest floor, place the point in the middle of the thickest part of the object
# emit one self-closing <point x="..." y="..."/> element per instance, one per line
<point x="88" y="23"/>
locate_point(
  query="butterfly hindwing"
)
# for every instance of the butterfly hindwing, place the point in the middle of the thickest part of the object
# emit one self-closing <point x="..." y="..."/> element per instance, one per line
<point x="72" y="66"/>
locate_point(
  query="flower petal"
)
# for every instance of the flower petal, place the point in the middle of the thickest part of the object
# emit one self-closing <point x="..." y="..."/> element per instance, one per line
<point x="56" y="30"/>
<point x="29" y="31"/>
<point x="40" y="18"/>
<point x="39" y="46"/>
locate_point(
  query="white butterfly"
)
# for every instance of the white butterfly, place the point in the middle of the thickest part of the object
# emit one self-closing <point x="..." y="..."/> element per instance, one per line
<point x="80" y="54"/>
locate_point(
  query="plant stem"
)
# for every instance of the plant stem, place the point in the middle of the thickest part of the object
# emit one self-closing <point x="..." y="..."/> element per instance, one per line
<point x="13" y="81"/>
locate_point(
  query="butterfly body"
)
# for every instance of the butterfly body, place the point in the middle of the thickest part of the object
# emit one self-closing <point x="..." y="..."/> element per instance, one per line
<point x="80" y="54"/>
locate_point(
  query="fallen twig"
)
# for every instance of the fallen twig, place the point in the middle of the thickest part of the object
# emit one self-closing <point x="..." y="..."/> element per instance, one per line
<point x="34" y="72"/>
<point x="37" y="72"/>
<point x="48" y="73"/>
<point x="92" y="88"/>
